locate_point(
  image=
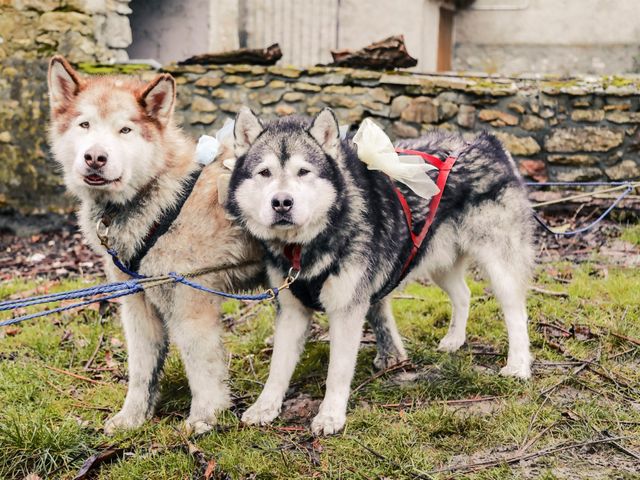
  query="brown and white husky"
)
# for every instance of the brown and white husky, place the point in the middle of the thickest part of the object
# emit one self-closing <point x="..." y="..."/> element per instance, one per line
<point x="132" y="168"/>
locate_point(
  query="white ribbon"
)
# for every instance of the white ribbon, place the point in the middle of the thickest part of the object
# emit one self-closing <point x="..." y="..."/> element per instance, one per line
<point x="208" y="146"/>
<point x="207" y="150"/>
<point x="376" y="150"/>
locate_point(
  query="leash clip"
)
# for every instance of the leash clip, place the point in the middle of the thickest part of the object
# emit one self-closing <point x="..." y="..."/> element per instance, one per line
<point x="102" y="231"/>
<point x="292" y="276"/>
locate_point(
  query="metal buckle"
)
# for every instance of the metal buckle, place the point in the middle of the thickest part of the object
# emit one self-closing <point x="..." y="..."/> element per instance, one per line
<point x="292" y="276"/>
<point x="102" y="231"/>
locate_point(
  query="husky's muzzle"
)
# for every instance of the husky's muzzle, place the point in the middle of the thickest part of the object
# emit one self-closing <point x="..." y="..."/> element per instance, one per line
<point x="282" y="203"/>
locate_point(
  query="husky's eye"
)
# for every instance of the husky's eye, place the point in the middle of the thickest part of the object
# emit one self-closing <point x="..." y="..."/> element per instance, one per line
<point x="125" y="130"/>
<point x="84" y="125"/>
<point x="302" y="172"/>
<point x="265" y="173"/>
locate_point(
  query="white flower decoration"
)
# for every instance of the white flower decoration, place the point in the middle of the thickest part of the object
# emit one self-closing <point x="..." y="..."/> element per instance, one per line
<point x="376" y="150"/>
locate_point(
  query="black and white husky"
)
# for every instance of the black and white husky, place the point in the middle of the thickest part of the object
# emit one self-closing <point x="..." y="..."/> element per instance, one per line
<point x="296" y="183"/>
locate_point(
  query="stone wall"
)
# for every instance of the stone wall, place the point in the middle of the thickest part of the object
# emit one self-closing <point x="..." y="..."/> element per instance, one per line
<point x="564" y="130"/>
<point x="568" y="130"/>
<point x="30" y="32"/>
<point x="82" y="30"/>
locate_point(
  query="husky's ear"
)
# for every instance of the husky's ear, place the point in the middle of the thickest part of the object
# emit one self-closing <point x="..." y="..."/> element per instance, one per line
<point x="326" y="131"/>
<point x="64" y="83"/>
<point x="158" y="98"/>
<point x="246" y="130"/>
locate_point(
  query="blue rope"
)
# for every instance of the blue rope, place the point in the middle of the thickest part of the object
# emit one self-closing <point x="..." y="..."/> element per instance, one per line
<point x="574" y="184"/>
<point x="121" y="266"/>
<point x="113" y="290"/>
<point x="136" y="289"/>
<point x="68" y="295"/>
<point x="261" y="296"/>
<point x="604" y="214"/>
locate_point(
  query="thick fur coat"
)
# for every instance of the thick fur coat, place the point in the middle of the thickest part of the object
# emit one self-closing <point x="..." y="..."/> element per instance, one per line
<point x="120" y="150"/>
<point x="296" y="183"/>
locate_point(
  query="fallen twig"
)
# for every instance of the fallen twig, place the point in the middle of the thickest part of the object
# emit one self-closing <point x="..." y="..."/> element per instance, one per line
<point x="555" y="327"/>
<point x="624" y="337"/>
<point x="544" y="291"/>
<point x="533" y="441"/>
<point x="87" y="365"/>
<point x="469" y="467"/>
<point x="75" y="375"/>
<point x="607" y="434"/>
<point x="455" y="401"/>
<point x="575" y="372"/>
<point x="621" y="354"/>
<point x="533" y="419"/>
<point x="247" y="313"/>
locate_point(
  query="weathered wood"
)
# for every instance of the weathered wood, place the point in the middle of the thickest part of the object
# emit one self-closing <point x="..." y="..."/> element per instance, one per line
<point x="386" y="54"/>
<point x="256" y="56"/>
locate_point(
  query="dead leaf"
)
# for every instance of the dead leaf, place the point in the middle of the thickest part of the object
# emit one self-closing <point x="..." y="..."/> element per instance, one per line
<point x="12" y="331"/>
<point x="109" y="361"/>
<point x="94" y="461"/>
<point x="581" y="332"/>
<point x="299" y="408"/>
<point x="210" y="470"/>
<point x="317" y="446"/>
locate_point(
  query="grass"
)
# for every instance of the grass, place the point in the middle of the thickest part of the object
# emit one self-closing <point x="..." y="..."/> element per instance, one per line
<point x="50" y="422"/>
<point x="632" y="235"/>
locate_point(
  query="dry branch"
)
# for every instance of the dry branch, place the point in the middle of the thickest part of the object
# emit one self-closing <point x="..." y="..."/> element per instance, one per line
<point x="75" y="375"/>
<point x="256" y="56"/>
<point x="386" y="54"/>
<point x="87" y="365"/>
<point x="473" y="467"/>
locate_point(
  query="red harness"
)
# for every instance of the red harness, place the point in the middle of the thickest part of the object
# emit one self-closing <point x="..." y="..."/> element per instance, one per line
<point x="293" y="252"/>
<point x="444" y="167"/>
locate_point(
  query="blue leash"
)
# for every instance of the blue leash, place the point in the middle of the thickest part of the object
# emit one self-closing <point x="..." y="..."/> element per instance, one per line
<point x="271" y="293"/>
<point x="69" y="295"/>
<point x="110" y="291"/>
<point x="571" y="233"/>
<point x="121" y="293"/>
<point x="575" y="184"/>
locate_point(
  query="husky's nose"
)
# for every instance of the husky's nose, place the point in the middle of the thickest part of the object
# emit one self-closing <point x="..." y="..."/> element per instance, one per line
<point x="95" y="157"/>
<point x="282" y="202"/>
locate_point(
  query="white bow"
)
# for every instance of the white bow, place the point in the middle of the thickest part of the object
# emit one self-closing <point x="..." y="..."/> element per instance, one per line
<point x="208" y="146"/>
<point x="376" y="150"/>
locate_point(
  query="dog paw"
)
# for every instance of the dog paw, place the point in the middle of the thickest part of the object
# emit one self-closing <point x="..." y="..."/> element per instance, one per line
<point x="328" y="423"/>
<point x="261" y="412"/>
<point x="519" y="370"/>
<point x="198" y="427"/>
<point x="123" y="421"/>
<point x="382" y="362"/>
<point x="451" y="343"/>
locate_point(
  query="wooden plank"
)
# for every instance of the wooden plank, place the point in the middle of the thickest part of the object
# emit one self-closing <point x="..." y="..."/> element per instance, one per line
<point x="445" y="40"/>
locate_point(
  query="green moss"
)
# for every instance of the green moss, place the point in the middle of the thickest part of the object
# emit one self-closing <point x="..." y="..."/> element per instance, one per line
<point x="488" y="84"/>
<point x="118" y="68"/>
<point x="560" y="84"/>
<point x="616" y="81"/>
